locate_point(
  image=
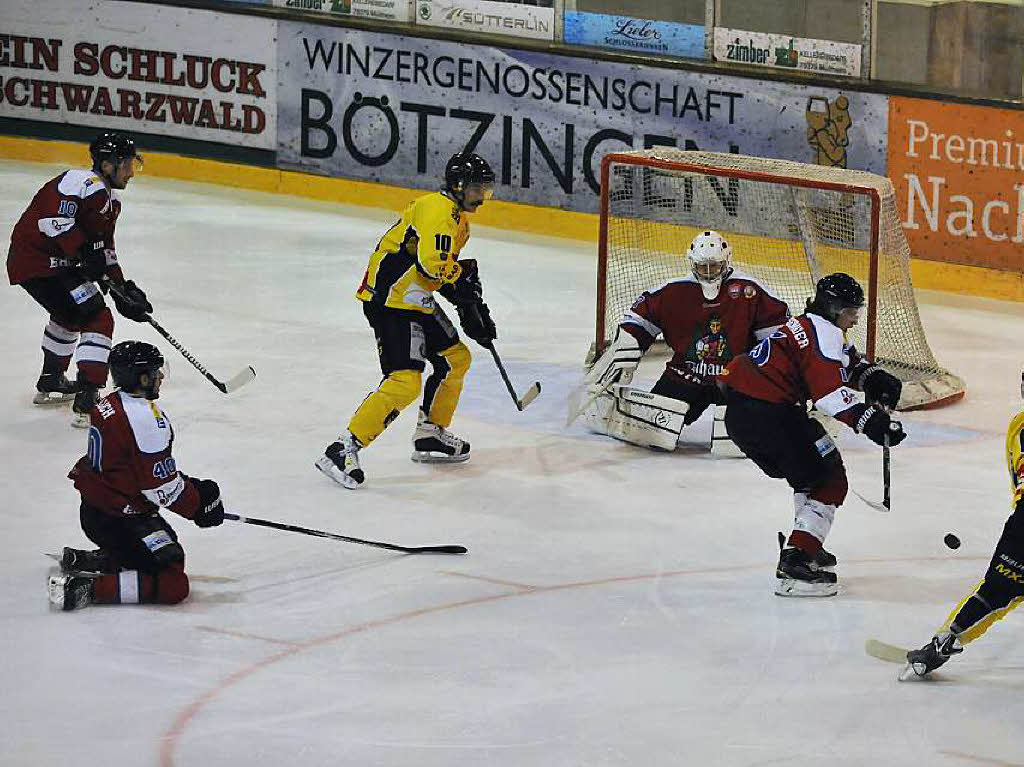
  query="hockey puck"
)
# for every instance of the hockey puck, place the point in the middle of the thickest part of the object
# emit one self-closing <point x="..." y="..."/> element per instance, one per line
<point x="952" y="541"/>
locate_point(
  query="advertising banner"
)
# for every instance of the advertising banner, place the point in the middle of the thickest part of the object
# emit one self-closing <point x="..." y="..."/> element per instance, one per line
<point x="388" y="10"/>
<point x="139" y="67"/>
<point x="392" y="109"/>
<point x="624" y="33"/>
<point x="492" y="16"/>
<point x="959" y="177"/>
<point x="825" y="57"/>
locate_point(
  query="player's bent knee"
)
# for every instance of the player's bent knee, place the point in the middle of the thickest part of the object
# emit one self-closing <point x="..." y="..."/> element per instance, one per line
<point x="402" y="386"/>
<point x="833" y="489"/>
<point x="172" y="586"/>
<point x="459" y="358"/>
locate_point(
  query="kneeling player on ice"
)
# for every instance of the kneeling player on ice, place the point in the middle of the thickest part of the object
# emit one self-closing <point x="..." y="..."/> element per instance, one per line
<point x="127" y="476"/>
<point x="706" y="319"/>
<point x="414" y="258"/>
<point x="766" y="416"/>
<point x="1002" y="588"/>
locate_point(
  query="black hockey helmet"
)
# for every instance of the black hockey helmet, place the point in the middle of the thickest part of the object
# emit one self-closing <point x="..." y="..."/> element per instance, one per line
<point x="129" y="360"/>
<point x="834" y="293"/>
<point x="464" y="169"/>
<point x="113" y="147"/>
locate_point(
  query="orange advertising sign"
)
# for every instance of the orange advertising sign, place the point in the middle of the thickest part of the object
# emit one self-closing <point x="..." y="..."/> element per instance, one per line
<point x="959" y="177"/>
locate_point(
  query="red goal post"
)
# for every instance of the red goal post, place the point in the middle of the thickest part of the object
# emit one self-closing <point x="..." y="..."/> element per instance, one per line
<point x="788" y="223"/>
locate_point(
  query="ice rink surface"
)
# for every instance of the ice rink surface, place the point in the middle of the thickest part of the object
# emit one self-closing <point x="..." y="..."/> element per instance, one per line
<point x="615" y="607"/>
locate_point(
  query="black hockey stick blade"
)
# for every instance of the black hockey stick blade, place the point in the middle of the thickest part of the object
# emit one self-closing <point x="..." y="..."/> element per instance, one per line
<point x="521" y="402"/>
<point x="448" y="549"/>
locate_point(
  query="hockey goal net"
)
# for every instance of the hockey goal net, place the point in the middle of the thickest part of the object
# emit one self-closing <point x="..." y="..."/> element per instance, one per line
<point x="789" y="224"/>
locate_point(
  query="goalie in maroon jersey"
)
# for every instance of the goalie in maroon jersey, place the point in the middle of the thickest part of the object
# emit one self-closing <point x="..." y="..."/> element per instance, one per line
<point x="706" y="319"/>
<point x="124" y="480"/>
<point x="767" y="393"/>
<point x="61" y="247"/>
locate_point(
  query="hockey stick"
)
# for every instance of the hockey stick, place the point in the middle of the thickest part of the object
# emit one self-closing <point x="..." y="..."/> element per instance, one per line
<point x="531" y="393"/>
<point x="234" y="383"/>
<point x="576" y="410"/>
<point x="335" y="536"/>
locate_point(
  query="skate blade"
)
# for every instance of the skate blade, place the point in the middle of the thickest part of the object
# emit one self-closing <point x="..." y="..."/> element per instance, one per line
<point x="326" y="466"/>
<point x="51" y="398"/>
<point x="424" y="456"/>
<point x="790" y="587"/>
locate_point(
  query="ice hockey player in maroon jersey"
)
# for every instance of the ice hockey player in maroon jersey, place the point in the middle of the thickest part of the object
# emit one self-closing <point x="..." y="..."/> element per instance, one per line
<point x="706" y="319"/>
<point x="809" y="358"/>
<point x="127" y="476"/>
<point x="61" y="247"/>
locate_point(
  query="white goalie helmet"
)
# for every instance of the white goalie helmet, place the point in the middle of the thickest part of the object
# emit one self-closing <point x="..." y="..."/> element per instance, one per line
<point x="709" y="256"/>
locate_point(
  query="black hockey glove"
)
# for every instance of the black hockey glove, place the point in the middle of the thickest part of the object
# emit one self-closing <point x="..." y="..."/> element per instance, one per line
<point x="876" y="424"/>
<point x="211" y="509"/>
<point x="92" y="260"/>
<point x="131" y="301"/>
<point x="880" y="386"/>
<point x="476" y="322"/>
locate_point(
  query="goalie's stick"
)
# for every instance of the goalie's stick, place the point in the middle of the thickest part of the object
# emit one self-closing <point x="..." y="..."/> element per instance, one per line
<point x="576" y="409"/>
<point x="237" y="381"/>
<point x="349" y="539"/>
<point x="529" y="396"/>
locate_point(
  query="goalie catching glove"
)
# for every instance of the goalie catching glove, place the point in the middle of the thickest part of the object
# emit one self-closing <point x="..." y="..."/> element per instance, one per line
<point x="467" y="294"/>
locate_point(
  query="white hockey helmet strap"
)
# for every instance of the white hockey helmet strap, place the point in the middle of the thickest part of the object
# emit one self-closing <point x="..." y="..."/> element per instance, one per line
<point x="709" y="256"/>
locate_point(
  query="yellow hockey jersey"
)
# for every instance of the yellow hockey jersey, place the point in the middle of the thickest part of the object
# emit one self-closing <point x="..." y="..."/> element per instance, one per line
<point x="1015" y="456"/>
<point x="417" y="255"/>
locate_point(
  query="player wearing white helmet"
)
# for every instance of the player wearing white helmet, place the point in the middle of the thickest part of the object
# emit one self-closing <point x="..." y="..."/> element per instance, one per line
<point x="706" y="319"/>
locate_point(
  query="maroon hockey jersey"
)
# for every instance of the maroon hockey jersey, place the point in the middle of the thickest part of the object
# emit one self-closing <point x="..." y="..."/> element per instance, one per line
<point x="807" y="358"/>
<point x="703" y="334"/>
<point x="129" y="468"/>
<point x="70" y="210"/>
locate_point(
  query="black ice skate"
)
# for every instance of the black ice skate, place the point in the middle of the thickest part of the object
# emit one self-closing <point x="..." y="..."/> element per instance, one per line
<point x="79" y="560"/>
<point x="435" y="444"/>
<point x="340" y="462"/>
<point x="924" y="661"/>
<point x="54" y="389"/>
<point x="71" y="591"/>
<point x="823" y="560"/>
<point x="85" y="401"/>
<point x="798" y="576"/>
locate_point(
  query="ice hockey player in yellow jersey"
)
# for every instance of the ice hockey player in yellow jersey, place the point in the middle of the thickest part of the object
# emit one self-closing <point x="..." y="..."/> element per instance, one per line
<point x="416" y="257"/>
<point x="1002" y="588"/>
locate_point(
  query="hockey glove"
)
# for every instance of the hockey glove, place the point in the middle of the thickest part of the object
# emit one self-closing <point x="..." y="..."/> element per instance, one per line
<point x="617" y="364"/>
<point x="476" y="322"/>
<point x="211" y="509"/>
<point x="880" y="386"/>
<point x="876" y="425"/>
<point x="131" y="301"/>
<point x="92" y="260"/>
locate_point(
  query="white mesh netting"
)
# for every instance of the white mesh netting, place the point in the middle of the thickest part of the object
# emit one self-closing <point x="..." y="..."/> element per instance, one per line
<point x="788" y="224"/>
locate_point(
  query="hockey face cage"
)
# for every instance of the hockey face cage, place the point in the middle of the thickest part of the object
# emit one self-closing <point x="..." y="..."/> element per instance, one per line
<point x="788" y="224"/>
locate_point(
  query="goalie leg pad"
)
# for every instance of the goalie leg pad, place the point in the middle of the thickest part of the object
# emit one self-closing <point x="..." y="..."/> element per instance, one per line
<point x="638" y="417"/>
<point x="722" y="445"/>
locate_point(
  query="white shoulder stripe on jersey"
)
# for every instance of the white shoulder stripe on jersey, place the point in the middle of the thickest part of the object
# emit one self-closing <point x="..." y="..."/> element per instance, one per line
<point x="763" y="333"/>
<point x="149" y="424"/>
<point x="830" y="339"/>
<point x="80" y="183"/>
